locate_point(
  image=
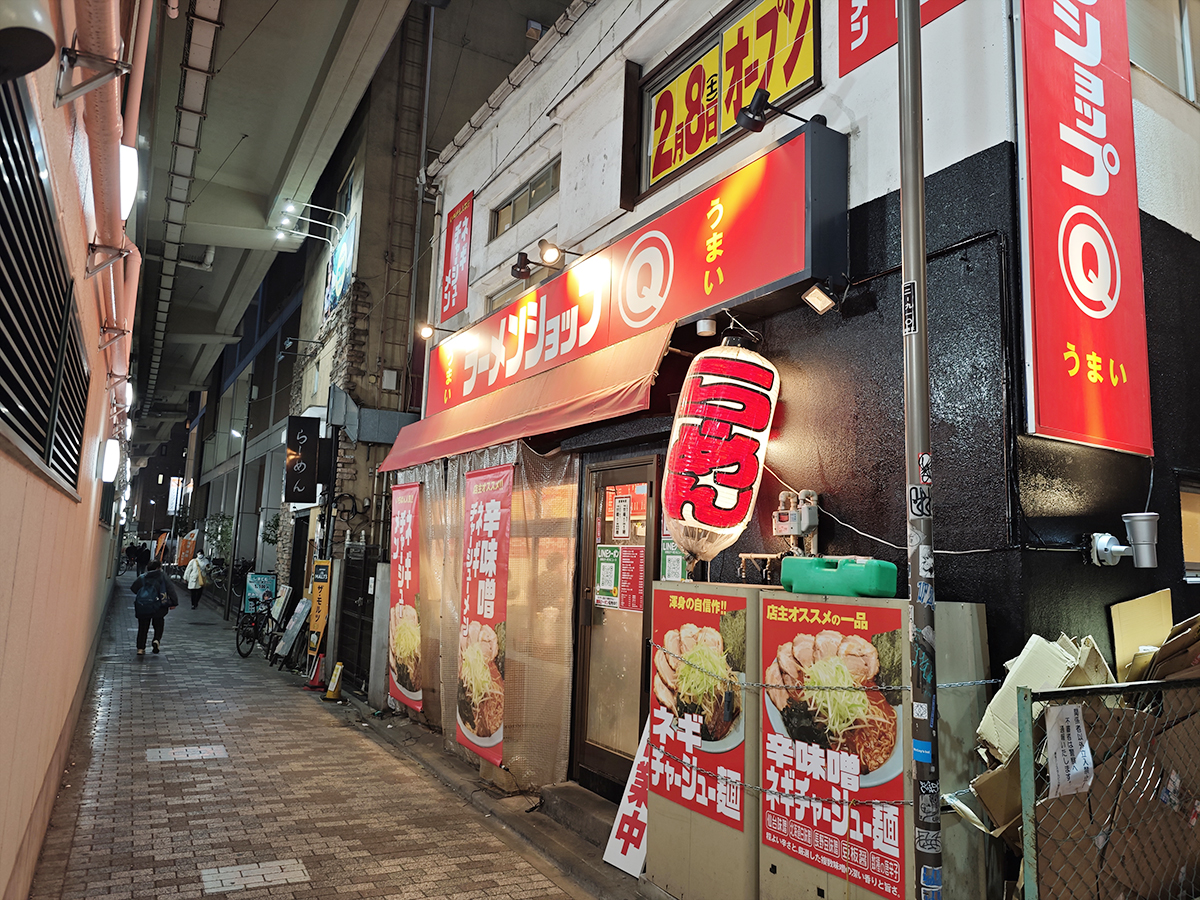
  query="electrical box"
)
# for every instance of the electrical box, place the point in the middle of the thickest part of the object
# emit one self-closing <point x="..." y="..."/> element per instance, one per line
<point x="785" y="522"/>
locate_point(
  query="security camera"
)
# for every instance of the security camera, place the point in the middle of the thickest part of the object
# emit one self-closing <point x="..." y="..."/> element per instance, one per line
<point x="1142" y="530"/>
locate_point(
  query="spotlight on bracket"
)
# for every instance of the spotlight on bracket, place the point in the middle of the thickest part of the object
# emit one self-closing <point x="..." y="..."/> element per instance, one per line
<point x="819" y="298"/>
<point x="1142" y="530"/>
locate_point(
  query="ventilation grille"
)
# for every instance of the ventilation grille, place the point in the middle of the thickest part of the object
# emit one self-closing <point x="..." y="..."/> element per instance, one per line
<point x="43" y="373"/>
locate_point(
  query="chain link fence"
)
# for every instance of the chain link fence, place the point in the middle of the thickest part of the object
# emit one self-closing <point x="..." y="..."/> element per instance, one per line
<point x="1110" y="791"/>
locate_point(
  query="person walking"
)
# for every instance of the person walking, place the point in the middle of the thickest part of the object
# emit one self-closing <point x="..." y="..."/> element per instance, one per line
<point x="143" y="559"/>
<point x="193" y="575"/>
<point x="154" y="597"/>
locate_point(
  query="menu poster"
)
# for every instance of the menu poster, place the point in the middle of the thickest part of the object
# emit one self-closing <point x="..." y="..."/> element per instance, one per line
<point x="486" y="528"/>
<point x="404" y="623"/>
<point x="825" y="752"/>
<point x="620" y="576"/>
<point x="697" y="726"/>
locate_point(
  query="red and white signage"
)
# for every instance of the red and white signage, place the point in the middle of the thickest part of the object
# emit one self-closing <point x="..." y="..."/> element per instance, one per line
<point x="456" y="271"/>
<point x="868" y="27"/>
<point x="697" y="725"/>
<point x="404" y="623"/>
<point x="833" y="770"/>
<point x="486" y="528"/>
<point x="718" y="448"/>
<point x="729" y="240"/>
<point x="1087" y="368"/>
<point x="626" y="847"/>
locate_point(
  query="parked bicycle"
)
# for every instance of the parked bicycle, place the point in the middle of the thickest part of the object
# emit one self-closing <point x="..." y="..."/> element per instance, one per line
<point x="218" y="572"/>
<point x="256" y="626"/>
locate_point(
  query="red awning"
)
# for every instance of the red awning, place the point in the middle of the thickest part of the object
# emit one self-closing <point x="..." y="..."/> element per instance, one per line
<point x="612" y="382"/>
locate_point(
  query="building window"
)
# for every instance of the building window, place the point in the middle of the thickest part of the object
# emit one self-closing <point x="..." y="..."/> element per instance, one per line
<point x="1189" y="509"/>
<point x="510" y="293"/>
<point x="1164" y="39"/>
<point x="44" y="376"/>
<point x="526" y="199"/>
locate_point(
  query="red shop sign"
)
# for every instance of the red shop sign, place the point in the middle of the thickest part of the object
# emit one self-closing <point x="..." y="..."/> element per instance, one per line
<point x="866" y="28"/>
<point x="404" y="625"/>
<point x="776" y="221"/>
<point x="456" y="272"/>
<point x="1088" y="374"/>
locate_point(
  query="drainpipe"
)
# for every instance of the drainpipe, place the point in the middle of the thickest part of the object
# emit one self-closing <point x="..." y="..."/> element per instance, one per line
<point x="206" y="265"/>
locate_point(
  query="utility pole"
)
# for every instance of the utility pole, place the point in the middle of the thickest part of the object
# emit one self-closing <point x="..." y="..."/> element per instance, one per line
<point x="231" y="564"/>
<point x="926" y="788"/>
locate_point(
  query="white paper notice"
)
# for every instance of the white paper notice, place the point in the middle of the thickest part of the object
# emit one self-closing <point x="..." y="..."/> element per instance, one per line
<point x="1068" y="756"/>
<point x="627" y="843"/>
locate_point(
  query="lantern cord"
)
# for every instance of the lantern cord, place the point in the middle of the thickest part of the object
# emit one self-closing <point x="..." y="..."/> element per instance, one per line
<point x="757" y="335"/>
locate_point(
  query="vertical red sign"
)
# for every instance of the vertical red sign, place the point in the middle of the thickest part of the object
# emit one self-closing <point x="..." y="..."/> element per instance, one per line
<point x="697" y="725"/>
<point x="833" y="760"/>
<point x="456" y="273"/>
<point x="1089" y="377"/>
<point x="866" y="28"/>
<point x="404" y="623"/>
<point x="482" y="638"/>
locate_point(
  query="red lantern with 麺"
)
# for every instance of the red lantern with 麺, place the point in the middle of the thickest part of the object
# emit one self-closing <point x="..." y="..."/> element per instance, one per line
<point x="718" y="448"/>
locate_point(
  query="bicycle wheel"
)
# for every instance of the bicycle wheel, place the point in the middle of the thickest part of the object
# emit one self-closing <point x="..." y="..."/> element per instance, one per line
<point x="247" y="635"/>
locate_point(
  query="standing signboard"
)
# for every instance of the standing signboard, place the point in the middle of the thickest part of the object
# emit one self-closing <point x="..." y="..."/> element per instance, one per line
<point x="697" y="725"/>
<point x="833" y="760"/>
<point x="300" y="468"/>
<point x="456" y="273"/>
<point x="482" y="638"/>
<point x="260" y="591"/>
<point x="1087" y="373"/>
<point x="626" y="848"/>
<point x="404" y="623"/>
<point x="320" y="605"/>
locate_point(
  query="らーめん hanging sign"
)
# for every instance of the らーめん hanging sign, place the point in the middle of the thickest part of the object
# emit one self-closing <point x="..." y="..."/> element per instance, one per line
<point x="718" y="448"/>
<point x="1087" y="372"/>
<point x="300" y="468"/>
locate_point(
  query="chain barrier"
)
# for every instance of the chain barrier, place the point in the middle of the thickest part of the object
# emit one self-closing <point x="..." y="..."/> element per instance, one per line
<point x="884" y="688"/>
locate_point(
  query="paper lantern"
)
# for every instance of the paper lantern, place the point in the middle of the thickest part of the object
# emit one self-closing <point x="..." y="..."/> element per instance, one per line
<point x="718" y="448"/>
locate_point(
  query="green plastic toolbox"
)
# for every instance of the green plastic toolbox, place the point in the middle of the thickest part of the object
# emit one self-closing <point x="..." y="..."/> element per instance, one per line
<point x="838" y="577"/>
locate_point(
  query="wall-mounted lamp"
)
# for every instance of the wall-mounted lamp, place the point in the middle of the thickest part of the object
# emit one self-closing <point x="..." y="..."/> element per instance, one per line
<point x="754" y="116"/>
<point x="287" y="342"/>
<point x="706" y="327"/>
<point x="819" y="299"/>
<point x="292" y="206"/>
<point x="1142" y="529"/>
<point x="522" y="269"/>
<point x="111" y="462"/>
<point x="552" y="254"/>
<point x="426" y="331"/>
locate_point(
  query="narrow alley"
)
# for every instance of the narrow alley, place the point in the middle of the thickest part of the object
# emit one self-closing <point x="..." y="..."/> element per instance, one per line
<point x="196" y="772"/>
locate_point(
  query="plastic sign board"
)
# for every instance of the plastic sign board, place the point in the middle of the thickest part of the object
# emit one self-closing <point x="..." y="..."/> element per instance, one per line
<point x="772" y="47"/>
<point x="404" y="622"/>
<point x="319" y="616"/>
<point x="479" y="724"/>
<point x="817" y="777"/>
<point x="626" y="847"/>
<point x="867" y="28"/>
<point x="697" y="729"/>
<point x="341" y="268"/>
<point x="730" y="241"/>
<point x="1087" y="372"/>
<point x="456" y="270"/>
<point x="300" y="467"/>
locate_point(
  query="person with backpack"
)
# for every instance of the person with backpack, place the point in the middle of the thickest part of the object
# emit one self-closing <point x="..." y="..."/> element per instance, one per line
<point x="154" y="597"/>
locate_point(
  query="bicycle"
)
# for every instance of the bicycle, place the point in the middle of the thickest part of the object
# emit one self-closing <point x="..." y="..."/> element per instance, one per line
<point x="255" y="626"/>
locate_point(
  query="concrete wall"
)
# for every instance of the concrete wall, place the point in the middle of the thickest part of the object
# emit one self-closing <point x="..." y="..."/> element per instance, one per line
<point x="55" y="556"/>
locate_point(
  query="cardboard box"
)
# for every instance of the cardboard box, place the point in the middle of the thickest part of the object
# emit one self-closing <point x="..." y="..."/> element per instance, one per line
<point x="1143" y="621"/>
<point x="1111" y="729"/>
<point x="999" y="790"/>
<point x="1041" y="666"/>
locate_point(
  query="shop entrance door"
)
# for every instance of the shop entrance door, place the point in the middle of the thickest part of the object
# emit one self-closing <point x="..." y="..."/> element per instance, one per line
<point x="357" y="611"/>
<point x="619" y="542"/>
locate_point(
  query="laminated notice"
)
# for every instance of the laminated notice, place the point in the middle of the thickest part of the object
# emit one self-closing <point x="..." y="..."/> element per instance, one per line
<point x="1068" y="756"/>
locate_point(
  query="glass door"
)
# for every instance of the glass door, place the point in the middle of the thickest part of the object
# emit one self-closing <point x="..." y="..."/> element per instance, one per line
<point x="619" y="541"/>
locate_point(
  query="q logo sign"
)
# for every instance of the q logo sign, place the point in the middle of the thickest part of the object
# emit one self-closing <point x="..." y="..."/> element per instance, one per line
<point x="646" y="279"/>
<point x="1087" y="256"/>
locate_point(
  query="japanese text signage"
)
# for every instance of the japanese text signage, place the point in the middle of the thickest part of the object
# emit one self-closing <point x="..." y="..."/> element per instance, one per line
<point x="481" y="645"/>
<point x="729" y="240"/>
<point x="456" y="271"/>
<point x="769" y="45"/>
<point x="697" y="726"/>
<point x="319" y="616"/>
<point x="1085" y="318"/>
<point x="404" y="621"/>
<point x="833" y="760"/>
<point x="866" y="28"/>
<point x="300" y="467"/>
<point x="626" y="847"/>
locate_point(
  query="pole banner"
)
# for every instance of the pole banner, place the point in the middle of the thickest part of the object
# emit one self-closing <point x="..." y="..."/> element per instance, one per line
<point x="404" y="624"/>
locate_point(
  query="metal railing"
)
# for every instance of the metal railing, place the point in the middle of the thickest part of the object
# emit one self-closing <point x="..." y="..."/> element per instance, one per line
<point x="1110" y="791"/>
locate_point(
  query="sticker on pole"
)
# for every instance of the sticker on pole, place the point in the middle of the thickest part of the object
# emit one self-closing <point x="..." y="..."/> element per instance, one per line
<point x="1068" y="756"/>
<point x="910" y="307"/>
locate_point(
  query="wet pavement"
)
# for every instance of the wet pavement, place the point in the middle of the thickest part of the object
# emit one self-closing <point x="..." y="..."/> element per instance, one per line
<point x="195" y="772"/>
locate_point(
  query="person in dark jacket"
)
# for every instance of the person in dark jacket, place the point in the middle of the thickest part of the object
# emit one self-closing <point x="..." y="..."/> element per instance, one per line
<point x="148" y="606"/>
<point x="143" y="558"/>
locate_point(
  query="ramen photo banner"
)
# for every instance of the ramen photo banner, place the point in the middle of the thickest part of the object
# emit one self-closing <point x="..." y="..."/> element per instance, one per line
<point x="404" y="622"/>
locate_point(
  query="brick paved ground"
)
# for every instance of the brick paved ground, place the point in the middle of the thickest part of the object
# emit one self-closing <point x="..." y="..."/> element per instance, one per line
<point x="304" y="803"/>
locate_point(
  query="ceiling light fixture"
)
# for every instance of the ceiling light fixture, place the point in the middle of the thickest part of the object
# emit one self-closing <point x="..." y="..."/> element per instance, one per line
<point x="128" y="159"/>
<point x="112" y="460"/>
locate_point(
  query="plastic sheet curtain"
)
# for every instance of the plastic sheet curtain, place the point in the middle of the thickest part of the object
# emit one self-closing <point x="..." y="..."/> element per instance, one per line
<point x="432" y="478"/>
<point x="539" y="651"/>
